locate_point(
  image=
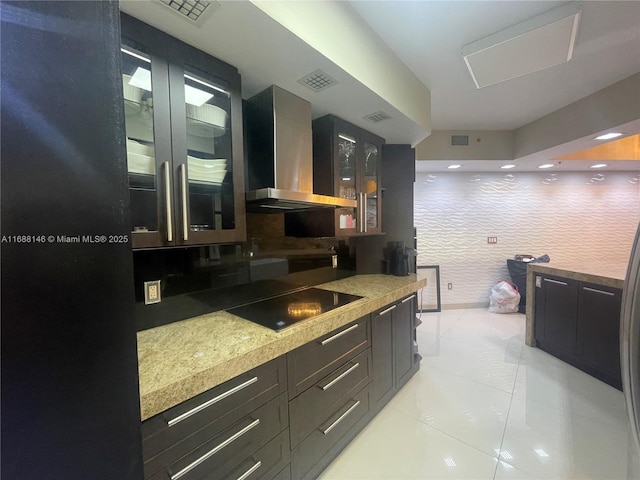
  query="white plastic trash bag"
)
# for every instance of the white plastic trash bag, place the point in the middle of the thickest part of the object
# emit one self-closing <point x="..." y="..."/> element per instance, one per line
<point x="504" y="298"/>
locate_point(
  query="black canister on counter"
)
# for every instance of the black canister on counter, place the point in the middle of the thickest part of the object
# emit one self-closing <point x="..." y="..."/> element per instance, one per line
<point x="396" y="259"/>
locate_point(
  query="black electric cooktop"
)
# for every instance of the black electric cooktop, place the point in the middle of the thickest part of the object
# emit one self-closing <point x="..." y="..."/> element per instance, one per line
<point x="283" y="311"/>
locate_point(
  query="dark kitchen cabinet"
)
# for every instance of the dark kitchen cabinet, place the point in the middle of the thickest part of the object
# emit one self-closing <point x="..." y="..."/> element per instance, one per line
<point x="558" y="315"/>
<point x="70" y="396"/>
<point x="238" y="427"/>
<point x="392" y="348"/>
<point x="598" y="336"/>
<point x="329" y="395"/>
<point x="347" y="164"/>
<point x="183" y="117"/>
<point x="579" y="323"/>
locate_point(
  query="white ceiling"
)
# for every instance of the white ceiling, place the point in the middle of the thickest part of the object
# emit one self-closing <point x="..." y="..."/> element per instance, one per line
<point x="428" y="37"/>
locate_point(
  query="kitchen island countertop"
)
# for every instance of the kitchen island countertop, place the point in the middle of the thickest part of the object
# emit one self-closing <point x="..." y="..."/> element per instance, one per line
<point x="183" y="359"/>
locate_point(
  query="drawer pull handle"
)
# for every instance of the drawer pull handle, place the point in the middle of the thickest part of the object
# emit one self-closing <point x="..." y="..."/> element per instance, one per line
<point x="208" y="403"/>
<point x="214" y="450"/>
<point x="340" y="377"/>
<point x="339" y="334"/>
<point x="409" y="298"/>
<point x="387" y="310"/>
<point x="340" y="418"/>
<point x="556" y="281"/>
<point x="246" y="474"/>
<point x="595" y="290"/>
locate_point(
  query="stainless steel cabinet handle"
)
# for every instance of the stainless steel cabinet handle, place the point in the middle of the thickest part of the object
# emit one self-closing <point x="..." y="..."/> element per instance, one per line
<point x="409" y="298"/>
<point x="340" y="377"/>
<point x="387" y="310"/>
<point x="246" y="474"/>
<point x="214" y="450"/>
<point x="208" y="403"/>
<point x="185" y="210"/>
<point x="555" y="281"/>
<point x="359" y="207"/>
<point x="167" y="199"/>
<point x="595" y="290"/>
<point x="364" y="211"/>
<point x="340" y="418"/>
<point x="339" y="334"/>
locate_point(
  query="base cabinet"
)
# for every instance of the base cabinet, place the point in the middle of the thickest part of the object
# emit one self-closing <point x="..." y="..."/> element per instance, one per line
<point x="290" y="417"/>
<point x="579" y="323"/>
<point x="598" y="335"/>
<point x="392" y="347"/>
<point x="222" y="430"/>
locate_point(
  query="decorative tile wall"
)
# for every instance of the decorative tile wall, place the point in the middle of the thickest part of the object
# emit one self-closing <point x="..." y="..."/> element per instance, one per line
<point x="574" y="217"/>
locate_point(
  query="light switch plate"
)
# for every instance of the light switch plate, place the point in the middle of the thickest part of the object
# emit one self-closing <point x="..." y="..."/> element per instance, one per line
<point x="152" y="292"/>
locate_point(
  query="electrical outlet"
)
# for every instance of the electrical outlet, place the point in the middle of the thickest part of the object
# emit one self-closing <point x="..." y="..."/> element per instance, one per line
<point x="492" y="239"/>
<point x="152" y="292"/>
<point x="449" y="286"/>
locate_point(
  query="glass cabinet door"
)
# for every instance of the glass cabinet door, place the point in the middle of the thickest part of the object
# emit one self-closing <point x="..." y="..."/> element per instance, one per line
<point x="207" y="175"/>
<point x="141" y="147"/>
<point x="370" y="183"/>
<point x="346" y="181"/>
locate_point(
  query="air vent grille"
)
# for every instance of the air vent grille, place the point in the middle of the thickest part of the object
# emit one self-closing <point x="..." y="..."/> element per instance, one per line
<point x="194" y="10"/>
<point x="318" y="80"/>
<point x="377" y="116"/>
<point x="459" y="140"/>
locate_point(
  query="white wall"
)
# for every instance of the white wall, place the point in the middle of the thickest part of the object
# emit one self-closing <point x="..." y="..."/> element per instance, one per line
<point x="574" y="217"/>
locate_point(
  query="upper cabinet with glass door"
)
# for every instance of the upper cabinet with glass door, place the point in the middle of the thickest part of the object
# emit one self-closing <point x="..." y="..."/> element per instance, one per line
<point x="346" y="163"/>
<point x="184" y="141"/>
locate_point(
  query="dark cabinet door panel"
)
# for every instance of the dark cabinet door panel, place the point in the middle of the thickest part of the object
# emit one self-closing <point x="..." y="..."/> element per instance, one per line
<point x="403" y="340"/>
<point x="560" y="314"/>
<point x="598" y="337"/>
<point x="382" y="357"/>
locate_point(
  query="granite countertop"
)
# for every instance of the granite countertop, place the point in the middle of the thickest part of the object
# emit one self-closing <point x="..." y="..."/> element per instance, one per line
<point x="183" y="359"/>
<point x="609" y="275"/>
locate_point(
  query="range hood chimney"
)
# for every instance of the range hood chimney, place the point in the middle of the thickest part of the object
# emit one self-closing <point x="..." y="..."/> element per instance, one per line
<point x="279" y="174"/>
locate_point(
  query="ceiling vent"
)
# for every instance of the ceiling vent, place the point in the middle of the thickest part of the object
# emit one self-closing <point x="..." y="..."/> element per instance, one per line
<point x="318" y="80"/>
<point x="377" y="117"/>
<point x="197" y="11"/>
<point x="459" y="140"/>
<point x="535" y="44"/>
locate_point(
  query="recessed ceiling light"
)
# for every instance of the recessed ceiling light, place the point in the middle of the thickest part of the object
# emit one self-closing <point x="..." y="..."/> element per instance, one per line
<point x="599" y="165"/>
<point x="547" y="165"/>
<point x="507" y="166"/>
<point x="609" y="136"/>
<point x="454" y="166"/>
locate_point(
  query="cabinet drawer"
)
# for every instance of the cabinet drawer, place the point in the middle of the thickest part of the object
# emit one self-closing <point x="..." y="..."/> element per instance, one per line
<point x="309" y="409"/>
<point x="188" y="425"/>
<point x="336" y="430"/>
<point x="265" y="464"/>
<point x="315" y="360"/>
<point x="225" y="450"/>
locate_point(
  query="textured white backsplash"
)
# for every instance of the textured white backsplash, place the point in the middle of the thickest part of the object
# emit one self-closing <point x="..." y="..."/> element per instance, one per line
<point x="574" y="217"/>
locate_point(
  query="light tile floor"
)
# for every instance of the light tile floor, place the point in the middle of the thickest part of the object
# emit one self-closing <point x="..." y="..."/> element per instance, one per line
<point x="486" y="406"/>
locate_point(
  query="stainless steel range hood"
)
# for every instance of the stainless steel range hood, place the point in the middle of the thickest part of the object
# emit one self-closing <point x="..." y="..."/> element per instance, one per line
<point x="279" y="147"/>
